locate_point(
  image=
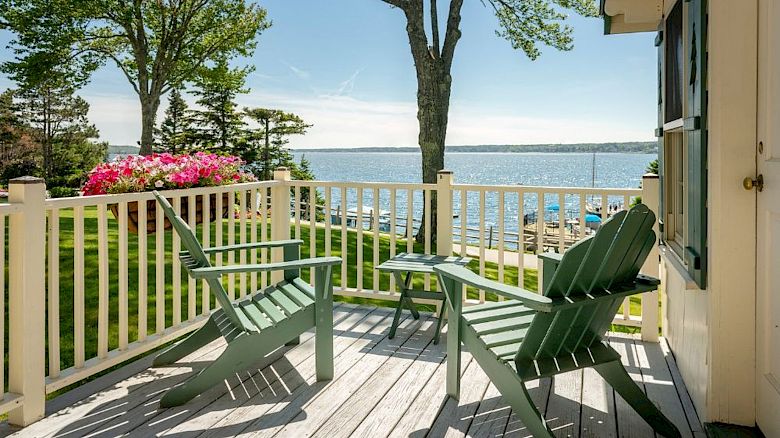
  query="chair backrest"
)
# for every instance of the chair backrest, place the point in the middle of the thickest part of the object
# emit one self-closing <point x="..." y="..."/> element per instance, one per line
<point x="194" y="257"/>
<point x="610" y="259"/>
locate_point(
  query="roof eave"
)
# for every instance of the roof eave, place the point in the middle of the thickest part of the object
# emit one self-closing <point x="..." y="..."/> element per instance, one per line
<point x="631" y="16"/>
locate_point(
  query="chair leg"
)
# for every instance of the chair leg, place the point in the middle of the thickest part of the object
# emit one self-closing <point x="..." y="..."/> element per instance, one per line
<point x="614" y="373"/>
<point x="524" y="408"/>
<point x="453" y="357"/>
<point x="438" y="323"/>
<point x="191" y="343"/>
<point x="323" y="319"/>
<point x="232" y="359"/>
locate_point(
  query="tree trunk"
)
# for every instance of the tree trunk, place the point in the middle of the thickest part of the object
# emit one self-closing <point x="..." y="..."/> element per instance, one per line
<point x="433" y="102"/>
<point x="149" y="106"/>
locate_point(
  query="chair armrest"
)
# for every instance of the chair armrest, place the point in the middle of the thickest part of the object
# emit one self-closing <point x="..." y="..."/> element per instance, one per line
<point x="550" y="262"/>
<point x="642" y="284"/>
<point x="255" y="245"/>
<point x="462" y="275"/>
<point x="216" y="271"/>
<point x="552" y="257"/>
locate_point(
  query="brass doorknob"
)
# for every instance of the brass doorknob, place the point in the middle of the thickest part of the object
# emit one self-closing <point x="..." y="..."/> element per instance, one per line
<point x="750" y="183"/>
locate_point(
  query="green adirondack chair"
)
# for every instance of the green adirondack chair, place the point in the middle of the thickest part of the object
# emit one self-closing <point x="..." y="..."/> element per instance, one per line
<point x="530" y="336"/>
<point x="259" y="324"/>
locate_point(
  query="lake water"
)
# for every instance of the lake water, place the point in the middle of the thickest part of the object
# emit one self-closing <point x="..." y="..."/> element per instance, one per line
<point x="529" y="169"/>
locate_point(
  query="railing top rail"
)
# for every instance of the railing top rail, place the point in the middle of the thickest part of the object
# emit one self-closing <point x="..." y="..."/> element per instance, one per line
<point x="83" y="201"/>
<point x="368" y="185"/>
<point x="547" y="189"/>
<point x="6" y="209"/>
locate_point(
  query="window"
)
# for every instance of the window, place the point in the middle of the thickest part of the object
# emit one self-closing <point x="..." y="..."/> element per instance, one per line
<point x="676" y="166"/>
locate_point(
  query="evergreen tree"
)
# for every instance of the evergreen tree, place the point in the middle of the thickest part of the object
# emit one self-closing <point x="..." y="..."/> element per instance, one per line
<point x="176" y="129"/>
<point x="219" y="124"/>
<point x="275" y="126"/>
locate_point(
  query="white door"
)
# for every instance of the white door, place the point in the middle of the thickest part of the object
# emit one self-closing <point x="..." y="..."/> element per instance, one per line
<point x="768" y="222"/>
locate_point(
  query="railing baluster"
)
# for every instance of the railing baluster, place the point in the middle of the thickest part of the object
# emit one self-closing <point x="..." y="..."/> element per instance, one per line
<point x="263" y="232"/>
<point x="410" y="221"/>
<point x="427" y="194"/>
<point x="561" y="222"/>
<point x="583" y="219"/>
<point x="327" y="217"/>
<point x="464" y="224"/>
<point x="344" y="236"/>
<point x="242" y="238"/>
<point x="122" y="255"/>
<point x="375" y="225"/>
<point x="2" y="304"/>
<point x="54" y="292"/>
<point x="159" y="252"/>
<point x="218" y="230"/>
<point x="500" y="246"/>
<point x="482" y="241"/>
<point x="143" y="268"/>
<point x="206" y="242"/>
<point x="231" y="256"/>
<point x="78" y="286"/>
<point x="297" y="212"/>
<point x="102" y="282"/>
<point x="176" y="266"/>
<point x="604" y="206"/>
<point x="312" y="228"/>
<point x="626" y="202"/>
<point x="253" y="237"/>
<point x="521" y="239"/>
<point x="192" y="285"/>
<point x="540" y="222"/>
<point x="359" y="225"/>
<point x="392" y="233"/>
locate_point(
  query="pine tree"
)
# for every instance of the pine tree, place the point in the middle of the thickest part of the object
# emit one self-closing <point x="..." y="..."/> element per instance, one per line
<point x="275" y="126"/>
<point x="176" y="129"/>
<point x="219" y="124"/>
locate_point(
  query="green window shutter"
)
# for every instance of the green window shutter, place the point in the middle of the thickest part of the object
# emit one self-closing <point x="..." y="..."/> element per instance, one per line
<point x="695" y="125"/>
<point x="659" y="132"/>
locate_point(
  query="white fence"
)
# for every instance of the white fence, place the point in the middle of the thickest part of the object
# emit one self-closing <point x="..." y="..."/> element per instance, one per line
<point x="87" y="293"/>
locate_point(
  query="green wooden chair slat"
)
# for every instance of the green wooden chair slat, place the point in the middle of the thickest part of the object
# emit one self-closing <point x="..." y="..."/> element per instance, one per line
<point x="529" y="337"/>
<point x="300" y="298"/>
<point x="490" y="327"/>
<point x="254" y="326"/>
<point x="268" y="307"/>
<point x="303" y="287"/>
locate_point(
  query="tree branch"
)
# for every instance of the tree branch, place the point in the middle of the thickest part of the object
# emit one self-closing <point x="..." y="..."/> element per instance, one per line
<point x="435" y="27"/>
<point x="452" y="34"/>
<point x="401" y="4"/>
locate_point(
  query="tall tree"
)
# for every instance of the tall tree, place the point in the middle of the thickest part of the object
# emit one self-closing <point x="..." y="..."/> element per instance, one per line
<point x="176" y="128"/>
<point x="55" y="116"/>
<point x="524" y="23"/>
<point x="157" y="45"/>
<point x="275" y="128"/>
<point x="219" y="123"/>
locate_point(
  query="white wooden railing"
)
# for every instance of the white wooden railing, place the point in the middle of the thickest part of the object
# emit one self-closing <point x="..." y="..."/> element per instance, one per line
<point x="125" y="293"/>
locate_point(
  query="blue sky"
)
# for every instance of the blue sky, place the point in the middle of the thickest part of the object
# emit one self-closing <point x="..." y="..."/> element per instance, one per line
<point x="346" y="68"/>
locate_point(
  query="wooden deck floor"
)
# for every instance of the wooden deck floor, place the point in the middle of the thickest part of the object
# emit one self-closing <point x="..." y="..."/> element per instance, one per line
<point x="382" y="387"/>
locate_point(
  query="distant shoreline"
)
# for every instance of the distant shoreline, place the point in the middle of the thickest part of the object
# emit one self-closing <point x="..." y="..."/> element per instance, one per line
<point x="627" y="147"/>
<point x="634" y="147"/>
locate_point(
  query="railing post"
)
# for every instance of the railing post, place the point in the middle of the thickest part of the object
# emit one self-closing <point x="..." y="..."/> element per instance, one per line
<point x="280" y="216"/>
<point x="26" y="299"/>
<point x="444" y="181"/>
<point x="650" y="197"/>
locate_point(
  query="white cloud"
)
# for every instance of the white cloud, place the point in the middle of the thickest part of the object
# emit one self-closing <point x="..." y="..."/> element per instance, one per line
<point x="343" y="121"/>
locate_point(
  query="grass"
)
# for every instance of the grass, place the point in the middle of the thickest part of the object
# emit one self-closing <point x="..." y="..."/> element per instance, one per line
<point x="66" y="280"/>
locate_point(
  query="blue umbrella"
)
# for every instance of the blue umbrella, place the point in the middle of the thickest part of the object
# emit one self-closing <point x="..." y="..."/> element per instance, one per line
<point x="589" y="218"/>
<point x="553" y="207"/>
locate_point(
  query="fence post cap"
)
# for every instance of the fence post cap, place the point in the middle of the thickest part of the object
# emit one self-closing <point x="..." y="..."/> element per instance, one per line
<point x="650" y="176"/>
<point x="26" y="180"/>
<point x="444" y="172"/>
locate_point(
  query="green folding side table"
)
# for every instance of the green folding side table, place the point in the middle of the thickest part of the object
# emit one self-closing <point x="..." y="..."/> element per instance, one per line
<point x="403" y="266"/>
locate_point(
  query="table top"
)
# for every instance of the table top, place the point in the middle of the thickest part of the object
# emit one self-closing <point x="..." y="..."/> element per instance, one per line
<point x="422" y="263"/>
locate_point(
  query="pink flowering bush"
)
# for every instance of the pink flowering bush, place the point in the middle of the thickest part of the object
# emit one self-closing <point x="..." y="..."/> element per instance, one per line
<point x="137" y="173"/>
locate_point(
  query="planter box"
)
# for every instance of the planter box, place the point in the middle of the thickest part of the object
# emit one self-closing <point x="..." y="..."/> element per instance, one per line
<point x="151" y="212"/>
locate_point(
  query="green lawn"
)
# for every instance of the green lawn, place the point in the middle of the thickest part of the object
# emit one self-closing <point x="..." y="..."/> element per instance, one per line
<point x="91" y="277"/>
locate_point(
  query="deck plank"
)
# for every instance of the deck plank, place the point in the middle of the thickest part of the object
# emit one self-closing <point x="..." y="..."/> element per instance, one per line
<point x="381" y="388"/>
<point x="280" y="387"/>
<point x="223" y="396"/>
<point x="660" y="386"/>
<point x="630" y="424"/>
<point x="456" y="416"/>
<point x="291" y="416"/>
<point x="359" y="405"/>
<point x="564" y="404"/>
<point x="597" y="419"/>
